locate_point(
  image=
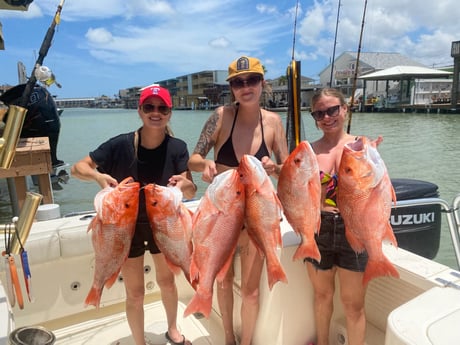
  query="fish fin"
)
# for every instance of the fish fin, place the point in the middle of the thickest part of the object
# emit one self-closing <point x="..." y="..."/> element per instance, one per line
<point x="307" y="249"/>
<point x="275" y="273"/>
<point x="194" y="272"/>
<point x="356" y="244"/>
<point x="278" y="239"/>
<point x="318" y="225"/>
<point x="390" y="236"/>
<point x="226" y="266"/>
<point x="93" y="224"/>
<point x="200" y="302"/>
<point x="379" y="268"/>
<point x="93" y="297"/>
<point x="113" y="278"/>
<point x="254" y="240"/>
<point x="173" y="268"/>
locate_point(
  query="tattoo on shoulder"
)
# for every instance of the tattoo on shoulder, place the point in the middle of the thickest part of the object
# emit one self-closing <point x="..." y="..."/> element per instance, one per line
<point x="206" y="141"/>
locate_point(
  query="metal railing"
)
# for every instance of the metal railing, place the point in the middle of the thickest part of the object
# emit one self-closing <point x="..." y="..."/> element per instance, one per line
<point x="452" y="215"/>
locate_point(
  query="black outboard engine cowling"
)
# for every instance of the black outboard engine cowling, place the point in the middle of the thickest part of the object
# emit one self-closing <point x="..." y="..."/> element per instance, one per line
<point x="417" y="228"/>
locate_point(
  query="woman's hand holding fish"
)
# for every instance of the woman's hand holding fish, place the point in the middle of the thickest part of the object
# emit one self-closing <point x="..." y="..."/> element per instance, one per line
<point x="185" y="184"/>
<point x="105" y="180"/>
<point x="270" y="167"/>
<point x="209" y="171"/>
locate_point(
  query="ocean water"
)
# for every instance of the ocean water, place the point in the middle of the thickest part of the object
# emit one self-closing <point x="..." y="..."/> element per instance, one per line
<point x="417" y="146"/>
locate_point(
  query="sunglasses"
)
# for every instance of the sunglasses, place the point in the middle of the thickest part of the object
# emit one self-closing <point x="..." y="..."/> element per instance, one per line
<point x="150" y="108"/>
<point x="318" y="115"/>
<point x="239" y="83"/>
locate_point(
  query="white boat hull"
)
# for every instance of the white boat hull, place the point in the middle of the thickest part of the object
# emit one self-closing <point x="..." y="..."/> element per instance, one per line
<point x="62" y="263"/>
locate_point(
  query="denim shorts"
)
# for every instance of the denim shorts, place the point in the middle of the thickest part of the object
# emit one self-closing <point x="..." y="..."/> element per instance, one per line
<point x="334" y="247"/>
<point x="143" y="240"/>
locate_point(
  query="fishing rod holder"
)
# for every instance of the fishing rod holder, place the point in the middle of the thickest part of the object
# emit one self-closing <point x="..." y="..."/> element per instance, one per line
<point x="11" y="134"/>
<point x="21" y="225"/>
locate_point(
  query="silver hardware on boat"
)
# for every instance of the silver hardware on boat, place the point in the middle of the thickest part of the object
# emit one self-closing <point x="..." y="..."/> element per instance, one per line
<point x="33" y="335"/>
<point x="452" y="214"/>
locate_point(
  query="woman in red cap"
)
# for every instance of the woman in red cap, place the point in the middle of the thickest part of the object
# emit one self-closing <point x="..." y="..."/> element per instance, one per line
<point x="112" y="162"/>
<point x="233" y="131"/>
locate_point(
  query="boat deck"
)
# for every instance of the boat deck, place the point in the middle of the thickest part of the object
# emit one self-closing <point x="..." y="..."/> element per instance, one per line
<point x="111" y="327"/>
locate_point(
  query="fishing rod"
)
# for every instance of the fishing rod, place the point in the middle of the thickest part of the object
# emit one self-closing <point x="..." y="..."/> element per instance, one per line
<point x="335" y="43"/>
<point x="46" y="44"/>
<point x="293" y="119"/>
<point x="352" y="99"/>
<point x="17" y="112"/>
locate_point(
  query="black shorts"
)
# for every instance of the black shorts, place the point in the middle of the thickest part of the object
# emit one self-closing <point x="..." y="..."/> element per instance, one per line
<point x="334" y="247"/>
<point x="143" y="240"/>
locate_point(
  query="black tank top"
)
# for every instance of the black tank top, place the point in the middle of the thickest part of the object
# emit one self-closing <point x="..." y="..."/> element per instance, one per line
<point x="226" y="155"/>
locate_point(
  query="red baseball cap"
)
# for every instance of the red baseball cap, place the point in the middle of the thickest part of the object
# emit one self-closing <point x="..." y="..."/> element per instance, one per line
<point x="155" y="91"/>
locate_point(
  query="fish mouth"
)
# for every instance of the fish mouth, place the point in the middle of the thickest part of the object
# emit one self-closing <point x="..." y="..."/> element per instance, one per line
<point x="357" y="145"/>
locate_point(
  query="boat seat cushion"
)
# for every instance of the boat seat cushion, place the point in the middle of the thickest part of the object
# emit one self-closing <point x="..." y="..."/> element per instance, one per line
<point x="75" y="242"/>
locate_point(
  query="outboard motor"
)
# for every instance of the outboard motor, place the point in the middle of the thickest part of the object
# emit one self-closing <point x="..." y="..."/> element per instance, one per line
<point x="417" y="228"/>
<point x="42" y="118"/>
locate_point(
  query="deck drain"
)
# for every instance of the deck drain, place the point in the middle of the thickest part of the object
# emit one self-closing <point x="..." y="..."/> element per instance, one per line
<point x="75" y="286"/>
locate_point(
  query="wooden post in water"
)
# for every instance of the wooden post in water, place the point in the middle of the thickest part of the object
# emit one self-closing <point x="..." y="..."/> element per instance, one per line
<point x="455" y="53"/>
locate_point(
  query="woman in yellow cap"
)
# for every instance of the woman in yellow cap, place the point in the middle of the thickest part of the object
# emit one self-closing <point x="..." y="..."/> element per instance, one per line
<point x="232" y="131"/>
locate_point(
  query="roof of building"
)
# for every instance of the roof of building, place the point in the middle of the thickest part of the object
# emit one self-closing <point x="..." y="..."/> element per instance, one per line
<point x="405" y="72"/>
<point x="379" y="60"/>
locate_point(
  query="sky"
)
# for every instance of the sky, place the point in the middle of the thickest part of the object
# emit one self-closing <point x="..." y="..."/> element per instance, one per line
<point x="103" y="46"/>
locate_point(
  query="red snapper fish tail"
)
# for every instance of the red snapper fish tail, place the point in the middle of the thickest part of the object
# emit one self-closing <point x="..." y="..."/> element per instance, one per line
<point x="307" y="249"/>
<point x="201" y="302"/>
<point x="94" y="297"/>
<point x="275" y="271"/>
<point x="379" y="268"/>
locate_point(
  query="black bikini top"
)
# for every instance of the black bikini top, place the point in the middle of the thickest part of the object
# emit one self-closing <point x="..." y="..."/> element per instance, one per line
<point x="226" y="155"/>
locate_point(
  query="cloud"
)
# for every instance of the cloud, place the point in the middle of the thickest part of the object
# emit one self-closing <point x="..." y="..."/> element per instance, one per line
<point x="140" y="41"/>
<point x="99" y="36"/>
<point x="220" y="42"/>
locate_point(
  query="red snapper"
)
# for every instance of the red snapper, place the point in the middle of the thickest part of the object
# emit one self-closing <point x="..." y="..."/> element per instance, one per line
<point x="364" y="197"/>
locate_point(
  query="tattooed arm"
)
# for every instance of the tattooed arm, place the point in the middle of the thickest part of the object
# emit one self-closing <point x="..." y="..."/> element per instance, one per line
<point x="206" y="142"/>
